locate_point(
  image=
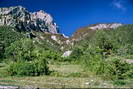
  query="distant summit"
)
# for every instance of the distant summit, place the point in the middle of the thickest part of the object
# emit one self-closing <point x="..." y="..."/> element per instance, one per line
<point x="20" y="18"/>
<point x="90" y="30"/>
<point x="105" y="26"/>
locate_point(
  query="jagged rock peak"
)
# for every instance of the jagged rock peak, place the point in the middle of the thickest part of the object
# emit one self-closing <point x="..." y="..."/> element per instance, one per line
<point x="22" y="19"/>
<point x="105" y="26"/>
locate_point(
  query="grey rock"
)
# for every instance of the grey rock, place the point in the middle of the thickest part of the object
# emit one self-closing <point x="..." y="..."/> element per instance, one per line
<point x="24" y="20"/>
<point x="67" y="53"/>
<point x="105" y="26"/>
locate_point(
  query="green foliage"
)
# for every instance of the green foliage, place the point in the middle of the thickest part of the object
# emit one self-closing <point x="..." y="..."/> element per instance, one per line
<point x="56" y="74"/>
<point x="21" y="69"/>
<point x="75" y="56"/>
<point x="49" y="55"/>
<point x="29" y="68"/>
<point x="8" y="36"/>
<point x="41" y="65"/>
<point x="109" y="69"/>
<point x="103" y="45"/>
<point x="25" y="49"/>
<point x="30" y="59"/>
<point x="20" y="50"/>
<point x="111" y="42"/>
<point x="119" y="82"/>
<point x="117" y="69"/>
<point x="94" y="64"/>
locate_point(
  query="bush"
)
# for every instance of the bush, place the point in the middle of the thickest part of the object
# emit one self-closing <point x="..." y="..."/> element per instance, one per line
<point x="20" y="50"/>
<point x="76" y="54"/>
<point x="30" y="58"/>
<point x="8" y="35"/>
<point x="94" y="64"/>
<point x="41" y="66"/>
<point x="119" y="82"/>
<point x="109" y="69"/>
<point x="49" y="55"/>
<point x="37" y="66"/>
<point x="21" y="69"/>
<point x="117" y="69"/>
<point x="24" y="68"/>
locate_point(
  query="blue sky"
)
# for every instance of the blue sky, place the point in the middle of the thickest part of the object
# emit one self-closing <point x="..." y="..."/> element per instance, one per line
<point x="73" y="14"/>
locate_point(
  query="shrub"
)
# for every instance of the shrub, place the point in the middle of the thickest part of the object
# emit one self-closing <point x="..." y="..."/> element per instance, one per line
<point x="20" y="50"/>
<point x="35" y="67"/>
<point x="119" y="82"/>
<point x="8" y="36"/>
<point x="24" y="68"/>
<point x="117" y="69"/>
<point x="49" y="55"/>
<point x="27" y="55"/>
<point x="94" y="63"/>
<point x="76" y="54"/>
<point x="109" y="69"/>
<point x="41" y="66"/>
<point x="21" y="69"/>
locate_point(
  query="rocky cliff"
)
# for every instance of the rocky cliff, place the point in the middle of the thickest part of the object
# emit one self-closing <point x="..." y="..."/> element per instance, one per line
<point x="20" y="18"/>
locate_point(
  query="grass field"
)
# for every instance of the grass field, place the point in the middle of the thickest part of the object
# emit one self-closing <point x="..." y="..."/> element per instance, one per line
<point x="64" y="76"/>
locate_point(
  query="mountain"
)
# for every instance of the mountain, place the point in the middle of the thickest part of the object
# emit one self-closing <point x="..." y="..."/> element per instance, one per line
<point x="41" y="26"/>
<point x="105" y="26"/>
<point x="38" y="25"/>
<point x="91" y="29"/>
<point x="31" y="45"/>
<point x="20" y="18"/>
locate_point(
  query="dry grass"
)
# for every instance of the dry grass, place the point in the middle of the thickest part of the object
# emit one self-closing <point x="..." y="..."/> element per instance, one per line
<point x="66" y="68"/>
<point x="52" y="81"/>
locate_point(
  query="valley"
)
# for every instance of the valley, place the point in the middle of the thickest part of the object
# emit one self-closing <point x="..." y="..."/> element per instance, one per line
<point x="34" y="54"/>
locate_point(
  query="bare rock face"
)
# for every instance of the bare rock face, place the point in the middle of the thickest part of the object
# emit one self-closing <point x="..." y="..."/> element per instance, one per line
<point x="24" y="20"/>
<point x="105" y="26"/>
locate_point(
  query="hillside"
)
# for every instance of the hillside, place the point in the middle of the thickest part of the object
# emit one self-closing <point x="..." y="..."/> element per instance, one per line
<point x="91" y="29"/>
<point x="39" y="25"/>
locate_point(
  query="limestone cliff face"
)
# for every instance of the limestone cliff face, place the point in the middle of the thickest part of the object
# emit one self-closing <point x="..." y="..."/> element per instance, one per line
<point x="22" y="19"/>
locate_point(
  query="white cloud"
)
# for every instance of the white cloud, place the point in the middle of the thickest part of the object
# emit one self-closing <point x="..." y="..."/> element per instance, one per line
<point x="119" y="4"/>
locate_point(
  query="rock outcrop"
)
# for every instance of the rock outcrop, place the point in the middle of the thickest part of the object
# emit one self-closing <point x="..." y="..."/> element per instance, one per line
<point x="67" y="53"/>
<point x="105" y="26"/>
<point x="24" y="20"/>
